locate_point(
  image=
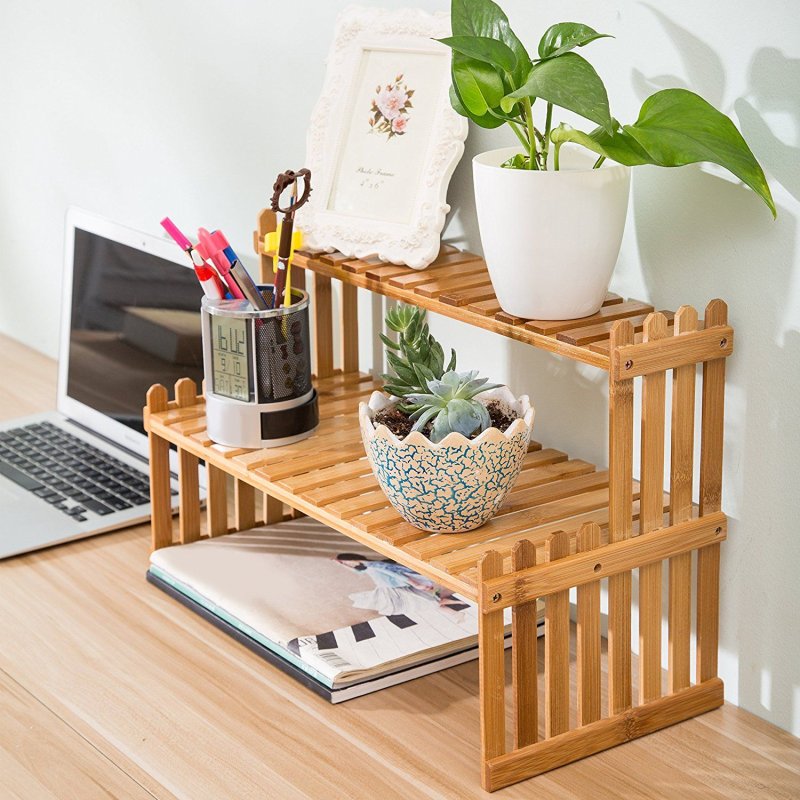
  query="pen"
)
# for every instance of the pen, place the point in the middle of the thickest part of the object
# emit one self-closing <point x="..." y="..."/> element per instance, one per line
<point x="211" y="248"/>
<point x="212" y="286"/>
<point x="246" y="283"/>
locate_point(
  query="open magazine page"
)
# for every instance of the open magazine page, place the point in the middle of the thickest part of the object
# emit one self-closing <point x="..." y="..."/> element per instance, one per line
<point x="320" y="599"/>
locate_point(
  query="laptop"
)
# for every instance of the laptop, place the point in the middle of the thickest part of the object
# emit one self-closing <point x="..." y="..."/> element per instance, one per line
<point x="130" y="318"/>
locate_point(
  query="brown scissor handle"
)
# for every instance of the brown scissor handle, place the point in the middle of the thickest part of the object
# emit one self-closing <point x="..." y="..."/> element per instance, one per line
<point x="283" y="182"/>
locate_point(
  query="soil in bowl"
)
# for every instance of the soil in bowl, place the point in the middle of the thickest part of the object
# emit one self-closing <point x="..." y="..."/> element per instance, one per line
<point x="400" y="424"/>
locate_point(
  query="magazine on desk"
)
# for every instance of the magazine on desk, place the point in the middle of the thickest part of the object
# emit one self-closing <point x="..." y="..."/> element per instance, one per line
<point x="327" y="610"/>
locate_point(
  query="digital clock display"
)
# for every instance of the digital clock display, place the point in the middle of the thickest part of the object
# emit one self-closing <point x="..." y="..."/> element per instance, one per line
<point x="230" y="358"/>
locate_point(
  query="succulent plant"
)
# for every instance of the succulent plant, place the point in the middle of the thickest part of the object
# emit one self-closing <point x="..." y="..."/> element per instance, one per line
<point x="416" y="357"/>
<point x="450" y="403"/>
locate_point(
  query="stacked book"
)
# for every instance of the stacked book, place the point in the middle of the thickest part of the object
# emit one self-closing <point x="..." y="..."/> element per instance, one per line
<point x="338" y="617"/>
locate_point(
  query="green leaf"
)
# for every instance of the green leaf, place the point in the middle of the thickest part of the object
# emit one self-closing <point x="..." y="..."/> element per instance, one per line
<point x="452" y="365"/>
<point x="388" y="342"/>
<point x="565" y="36"/>
<point x="677" y="127"/>
<point x="486" y="18"/>
<point x="517" y="161"/>
<point x="617" y="146"/>
<point x="478" y="88"/>
<point x="482" y="48"/>
<point x="569" y="82"/>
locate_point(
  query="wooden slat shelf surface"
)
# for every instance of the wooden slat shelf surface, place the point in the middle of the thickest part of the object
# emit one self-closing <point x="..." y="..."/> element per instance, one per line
<point x="457" y="285"/>
<point x="329" y="478"/>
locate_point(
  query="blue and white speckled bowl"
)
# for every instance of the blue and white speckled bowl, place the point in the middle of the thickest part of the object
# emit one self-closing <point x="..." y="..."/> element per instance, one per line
<point x="457" y="484"/>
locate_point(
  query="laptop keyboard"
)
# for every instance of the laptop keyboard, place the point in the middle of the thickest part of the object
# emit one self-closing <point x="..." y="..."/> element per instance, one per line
<point x="70" y="474"/>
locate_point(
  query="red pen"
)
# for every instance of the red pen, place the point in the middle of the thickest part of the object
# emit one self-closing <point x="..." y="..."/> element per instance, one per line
<point x="211" y="247"/>
<point x="212" y="286"/>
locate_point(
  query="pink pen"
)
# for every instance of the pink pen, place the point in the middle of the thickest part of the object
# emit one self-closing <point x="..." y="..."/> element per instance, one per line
<point x="212" y="286"/>
<point x="210" y="247"/>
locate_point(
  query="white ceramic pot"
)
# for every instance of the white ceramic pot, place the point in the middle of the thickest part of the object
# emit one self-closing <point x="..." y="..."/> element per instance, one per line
<point x="550" y="239"/>
<point x="454" y="485"/>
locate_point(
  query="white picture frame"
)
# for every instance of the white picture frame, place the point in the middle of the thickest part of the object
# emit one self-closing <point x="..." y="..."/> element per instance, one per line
<point x="383" y="141"/>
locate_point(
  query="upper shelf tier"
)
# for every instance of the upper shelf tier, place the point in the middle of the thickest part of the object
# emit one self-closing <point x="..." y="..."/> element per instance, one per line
<point x="457" y="285"/>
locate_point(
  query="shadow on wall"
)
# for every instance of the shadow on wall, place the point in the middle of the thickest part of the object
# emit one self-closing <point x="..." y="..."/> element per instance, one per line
<point x="701" y="236"/>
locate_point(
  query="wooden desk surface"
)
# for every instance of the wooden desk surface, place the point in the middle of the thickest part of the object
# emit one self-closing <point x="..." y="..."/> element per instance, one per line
<point x="108" y="688"/>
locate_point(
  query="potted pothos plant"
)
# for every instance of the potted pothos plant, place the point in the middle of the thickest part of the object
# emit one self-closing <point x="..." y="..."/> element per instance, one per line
<point x="445" y="446"/>
<point x="551" y="217"/>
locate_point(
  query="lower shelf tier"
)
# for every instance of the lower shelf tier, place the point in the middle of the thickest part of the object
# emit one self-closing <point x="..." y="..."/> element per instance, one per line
<point x="328" y="477"/>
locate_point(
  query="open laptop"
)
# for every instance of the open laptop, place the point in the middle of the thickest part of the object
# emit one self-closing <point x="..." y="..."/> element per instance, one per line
<point x="130" y="318"/>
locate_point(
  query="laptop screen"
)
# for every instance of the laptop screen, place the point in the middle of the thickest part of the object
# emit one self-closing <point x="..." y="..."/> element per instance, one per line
<point x="135" y="322"/>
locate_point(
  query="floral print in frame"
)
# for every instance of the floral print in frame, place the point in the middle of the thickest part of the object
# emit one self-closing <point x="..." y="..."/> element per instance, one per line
<point x="390" y="108"/>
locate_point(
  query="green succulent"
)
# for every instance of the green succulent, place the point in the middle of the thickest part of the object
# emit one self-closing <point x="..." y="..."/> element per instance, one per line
<point x="450" y="403"/>
<point x="416" y="357"/>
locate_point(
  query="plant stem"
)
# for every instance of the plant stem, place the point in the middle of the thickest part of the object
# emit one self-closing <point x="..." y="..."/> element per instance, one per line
<point x="532" y="149"/>
<point x="546" y="143"/>
<point x="599" y="162"/>
<point x="556" y="152"/>
<point x="520" y="135"/>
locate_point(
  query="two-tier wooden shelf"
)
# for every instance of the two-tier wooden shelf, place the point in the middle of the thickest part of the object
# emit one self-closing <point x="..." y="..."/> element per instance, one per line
<point x="565" y="524"/>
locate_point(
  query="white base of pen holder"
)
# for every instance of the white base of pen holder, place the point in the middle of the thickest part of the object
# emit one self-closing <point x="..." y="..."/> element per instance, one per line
<point x="256" y="425"/>
<point x="258" y="373"/>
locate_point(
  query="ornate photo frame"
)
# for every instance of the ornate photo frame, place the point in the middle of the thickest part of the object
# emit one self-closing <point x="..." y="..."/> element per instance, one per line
<point x="383" y="141"/>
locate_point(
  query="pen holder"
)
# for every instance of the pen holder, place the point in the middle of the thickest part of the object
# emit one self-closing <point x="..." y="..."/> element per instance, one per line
<point x="258" y="372"/>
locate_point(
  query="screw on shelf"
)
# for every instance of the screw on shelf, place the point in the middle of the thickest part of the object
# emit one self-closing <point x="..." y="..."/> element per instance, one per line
<point x="628" y="364"/>
<point x="497" y="597"/>
<point x="723" y="342"/>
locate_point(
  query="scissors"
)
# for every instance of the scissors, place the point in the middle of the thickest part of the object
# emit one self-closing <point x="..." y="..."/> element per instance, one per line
<point x="288" y="180"/>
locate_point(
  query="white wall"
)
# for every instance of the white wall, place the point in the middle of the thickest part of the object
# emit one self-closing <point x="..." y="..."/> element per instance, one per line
<point x="137" y="109"/>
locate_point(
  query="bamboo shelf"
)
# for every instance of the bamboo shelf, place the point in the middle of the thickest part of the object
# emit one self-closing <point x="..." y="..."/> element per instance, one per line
<point x="565" y="524"/>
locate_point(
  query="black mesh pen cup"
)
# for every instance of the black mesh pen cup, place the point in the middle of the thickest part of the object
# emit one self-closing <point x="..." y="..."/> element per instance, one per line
<point x="257" y="368"/>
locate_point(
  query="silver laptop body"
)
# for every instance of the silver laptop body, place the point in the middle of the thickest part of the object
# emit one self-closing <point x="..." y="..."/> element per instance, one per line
<point x="126" y="323"/>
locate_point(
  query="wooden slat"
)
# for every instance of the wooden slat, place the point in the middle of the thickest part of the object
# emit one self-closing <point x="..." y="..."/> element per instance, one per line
<point x="323" y="325"/>
<point x="651" y="517"/>
<point x="620" y="456"/>
<point x="272" y="509"/>
<point x="352" y="487"/>
<point x="160" y="498"/>
<point x="615" y="311"/>
<point x="548" y="512"/>
<point x="553" y="490"/>
<point x="556" y="647"/>
<point x="508" y="319"/>
<point x="681" y="474"/>
<point x="583" y="335"/>
<point x="217" y="504"/>
<point x="614" y="558"/>
<point x="711" y="443"/>
<point x="325" y="477"/>
<point x="588" y="634"/>
<point x="450" y="264"/>
<point x="582" y="742"/>
<point x="188" y="479"/>
<point x="491" y="669"/>
<point x="384" y="271"/>
<point x="359" y="265"/>
<point x="349" y="328"/>
<point x="244" y="503"/>
<point x="691" y="348"/>
<point x="333" y="259"/>
<point x="524" y="656"/>
<point x="353" y="506"/>
<point x="486" y="308"/>
<point x="440" y="285"/>
<point x="467" y="296"/>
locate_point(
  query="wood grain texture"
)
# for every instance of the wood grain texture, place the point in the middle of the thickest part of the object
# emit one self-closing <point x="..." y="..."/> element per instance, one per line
<point x="349" y="328"/>
<point x="161" y="510"/>
<point x="491" y="670"/>
<point x="244" y="502"/>
<point x="681" y="477"/>
<point x="588" y="634"/>
<point x="603" y="734"/>
<point x="711" y="446"/>
<point x="322" y="305"/>
<point x="217" y="502"/>
<point x="620" y="458"/>
<point x="233" y="726"/>
<point x="692" y="348"/>
<point x="524" y="656"/>
<point x="651" y="515"/>
<point x="556" y="647"/>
